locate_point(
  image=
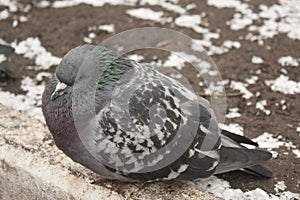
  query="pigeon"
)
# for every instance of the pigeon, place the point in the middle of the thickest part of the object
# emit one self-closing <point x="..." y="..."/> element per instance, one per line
<point x="126" y="121"/>
<point x="5" y="71"/>
<point x="5" y="49"/>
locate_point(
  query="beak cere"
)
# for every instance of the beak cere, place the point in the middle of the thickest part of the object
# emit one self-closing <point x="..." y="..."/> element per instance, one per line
<point x="58" y="90"/>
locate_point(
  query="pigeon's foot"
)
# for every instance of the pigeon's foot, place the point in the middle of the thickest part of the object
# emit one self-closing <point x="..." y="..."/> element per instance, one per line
<point x="120" y="185"/>
<point x="99" y="181"/>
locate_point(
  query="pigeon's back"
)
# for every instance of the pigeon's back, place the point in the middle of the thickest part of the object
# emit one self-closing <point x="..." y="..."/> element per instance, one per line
<point x="154" y="128"/>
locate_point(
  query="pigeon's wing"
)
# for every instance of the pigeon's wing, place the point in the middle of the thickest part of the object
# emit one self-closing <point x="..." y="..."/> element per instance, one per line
<point x="235" y="156"/>
<point x="238" y="138"/>
<point x="239" y="158"/>
<point x="153" y="128"/>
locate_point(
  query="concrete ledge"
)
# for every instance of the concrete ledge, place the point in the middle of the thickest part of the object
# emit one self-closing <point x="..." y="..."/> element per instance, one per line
<point x="31" y="167"/>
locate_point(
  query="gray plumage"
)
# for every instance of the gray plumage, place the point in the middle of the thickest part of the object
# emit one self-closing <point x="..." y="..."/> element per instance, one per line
<point x="5" y="49"/>
<point x="146" y="126"/>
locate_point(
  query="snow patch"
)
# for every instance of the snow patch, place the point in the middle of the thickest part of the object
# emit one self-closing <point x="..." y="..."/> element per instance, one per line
<point x="31" y="48"/>
<point x="234" y="128"/>
<point x="29" y="103"/>
<point x="95" y="3"/>
<point x="261" y="106"/>
<point x="43" y="4"/>
<point x="252" y="80"/>
<point x="166" y="4"/>
<point x="278" y="18"/>
<point x="233" y="113"/>
<point x="296" y="152"/>
<point x="191" y="21"/>
<point x="15" y="23"/>
<point x="288" y="61"/>
<point x="2" y="58"/>
<point x="178" y="60"/>
<point x="4" y="14"/>
<point x="242" y="87"/>
<point x="136" y="57"/>
<point x="110" y="28"/>
<point x="148" y="14"/>
<point x="257" y="60"/>
<point x="280" y="186"/>
<point x="284" y="85"/>
<point x="243" y="16"/>
<point x="222" y="189"/>
<point x="11" y="4"/>
<point x="267" y="141"/>
<point x="231" y="44"/>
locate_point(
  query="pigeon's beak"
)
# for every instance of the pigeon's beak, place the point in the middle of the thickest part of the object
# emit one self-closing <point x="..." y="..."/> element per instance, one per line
<point x="59" y="90"/>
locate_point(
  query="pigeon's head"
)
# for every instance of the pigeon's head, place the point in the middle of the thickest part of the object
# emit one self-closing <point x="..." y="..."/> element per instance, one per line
<point x="78" y="67"/>
<point x="67" y="70"/>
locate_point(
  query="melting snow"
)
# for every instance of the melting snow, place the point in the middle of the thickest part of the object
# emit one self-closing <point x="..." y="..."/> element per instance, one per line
<point x="31" y="48"/>
<point x="69" y="3"/>
<point x="12" y="5"/>
<point x="278" y="18"/>
<point x="243" y="17"/>
<point x="284" y="85"/>
<point x="110" y="28"/>
<point x="178" y="60"/>
<point x="4" y="14"/>
<point x="2" y="58"/>
<point x="15" y="23"/>
<point x="267" y="141"/>
<point x="288" y="61"/>
<point x="222" y="189"/>
<point x="257" y="60"/>
<point x="231" y="44"/>
<point x="191" y="6"/>
<point x="198" y="45"/>
<point x="296" y="152"/>
<point x="234" y="128"/>
<point x="261" y="106"/>
<point x="279" y="186"/>
<point x="233" y="113"/>
<point x="166" y="4"/>
<point x="252" y="80"/>
<point x="191" y="21"/>
<point x="148" y="14"/>
<point x="30" y="102"/>
<point x="242" y="87"/>
<point x="284" y="71"/>
<point x="136" y="57"/>
<point x="43" y="4"/>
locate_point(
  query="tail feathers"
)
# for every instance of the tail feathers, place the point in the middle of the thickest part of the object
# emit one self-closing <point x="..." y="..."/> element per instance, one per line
<point x="259" y="170"/>
<point x="238" y="138"/>
<point x="238" y="158"/>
